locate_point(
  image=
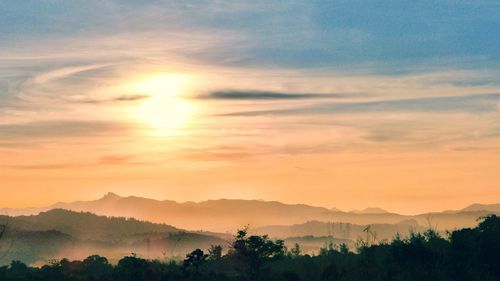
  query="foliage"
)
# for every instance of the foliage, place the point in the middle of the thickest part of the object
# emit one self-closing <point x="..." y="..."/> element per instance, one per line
<point x="466" y="254"/>
<point x="215" y="252"/>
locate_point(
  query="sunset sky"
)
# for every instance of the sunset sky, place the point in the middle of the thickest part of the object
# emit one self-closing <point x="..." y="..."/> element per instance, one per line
<point x="346" y="104"/>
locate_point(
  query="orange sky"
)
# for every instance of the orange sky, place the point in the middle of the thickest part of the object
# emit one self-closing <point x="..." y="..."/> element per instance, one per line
<point x="188" y="108"/>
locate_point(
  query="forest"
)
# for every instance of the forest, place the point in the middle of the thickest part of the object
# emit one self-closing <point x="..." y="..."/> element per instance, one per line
<point x="467" y="254"/>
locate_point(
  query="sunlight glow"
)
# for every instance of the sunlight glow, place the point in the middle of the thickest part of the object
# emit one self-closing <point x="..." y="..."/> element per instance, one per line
<point x="164" y="111"/>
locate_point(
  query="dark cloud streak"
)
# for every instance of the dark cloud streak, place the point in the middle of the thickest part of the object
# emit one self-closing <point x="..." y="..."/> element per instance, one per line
<point x="128" y="98"/>
<point x="269" y="95"/>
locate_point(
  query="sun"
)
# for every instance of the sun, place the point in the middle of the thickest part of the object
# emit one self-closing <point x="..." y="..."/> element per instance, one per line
<point x="164" y="110"/>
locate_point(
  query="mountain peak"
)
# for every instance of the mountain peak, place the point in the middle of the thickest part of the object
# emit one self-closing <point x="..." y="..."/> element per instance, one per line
<point x="334" y="209"/>
<point x="111" y="196"/>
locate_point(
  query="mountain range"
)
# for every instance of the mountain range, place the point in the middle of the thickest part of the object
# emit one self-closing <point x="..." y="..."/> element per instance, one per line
<point x="115" y="226"/>
<point x="227" y="215"/>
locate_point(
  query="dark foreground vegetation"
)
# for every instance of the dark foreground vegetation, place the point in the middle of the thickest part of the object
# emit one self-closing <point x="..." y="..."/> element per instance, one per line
<point x="466" y="254"/>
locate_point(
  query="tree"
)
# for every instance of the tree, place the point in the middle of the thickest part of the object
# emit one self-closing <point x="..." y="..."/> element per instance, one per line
<point x="3" y="230"/>
<point x="470" y="254"/>
<point x="329" y="249"/>
<point x="98" y="267"/>
<point x="489" y="239"/>
<point x="331" y="273"/>
<point x="192" y="263"/>
<point x="132" y="268"/>
<point x="215" y="252"/>
<point x="344" y="249"/>
<point x="195" y="259"/>
<point x="19" y="271"/>
<point x="295" y="251"/>
<point x="253" y="251"/>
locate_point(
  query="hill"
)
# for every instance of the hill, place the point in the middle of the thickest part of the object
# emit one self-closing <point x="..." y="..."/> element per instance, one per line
<point x="86" y="226"/>
<point x="470" y="254"/>
<point x="225" y="215"/>
<point x="340" y="230"/>
<point x="214" y="215"/>
<point x="482" y="207"/>
<point x="62" y="233"/>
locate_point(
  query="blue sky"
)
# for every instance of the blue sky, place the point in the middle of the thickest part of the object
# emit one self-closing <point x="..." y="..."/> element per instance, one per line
<point x="380" y="37"/>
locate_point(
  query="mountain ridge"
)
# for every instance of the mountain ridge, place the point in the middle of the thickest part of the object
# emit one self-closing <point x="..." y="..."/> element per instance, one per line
<point x="59" y="233"/>
<point x="222" y="215"/>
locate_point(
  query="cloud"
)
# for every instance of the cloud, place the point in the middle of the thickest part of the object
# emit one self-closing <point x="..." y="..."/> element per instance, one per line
<point x="268" y="95"/>
<point x="409" y="134"/>
<point x="60" y="73"/>
<point x="475" y="148"/>
<point x="57" y="166"/>
<point x="124" y="98"/>
<point x="47" y="129"/>
<point x="466" y="103"/>
<point x="115" y="159"/>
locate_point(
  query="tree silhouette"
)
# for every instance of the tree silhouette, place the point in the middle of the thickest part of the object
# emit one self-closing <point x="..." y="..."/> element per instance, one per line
<point x="253" y="251"/>
<point x="295" y="251"/>
<point x="215" y="252"/>
<point x="331" y="273"/>
<point x="3" y="230"/>
<point x="470" y="254"/>
<point x="195" y="259"/>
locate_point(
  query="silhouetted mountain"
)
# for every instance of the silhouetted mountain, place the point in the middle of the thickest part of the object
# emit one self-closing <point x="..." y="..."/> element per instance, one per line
<point x="58" y="233"/>
<point x="229" y="215"/>
<point x="216" y="215"/>
<point x="22" y="211"/>
<point x="482" y="207"/>
<point x="87" y="226"/>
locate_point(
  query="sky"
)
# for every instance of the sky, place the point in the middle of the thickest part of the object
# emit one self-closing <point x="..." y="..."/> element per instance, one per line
<point x="346" y="104"/>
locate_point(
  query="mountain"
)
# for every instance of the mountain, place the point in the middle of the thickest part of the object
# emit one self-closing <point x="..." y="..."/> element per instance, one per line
<point x="22" y="211"/>
<point x="214" y="215"/>
<point x="227" y="215"/>
<point x="369" y="211"/>
<point x="75" y="235"/>
<point x="121" y="228"/>
<point x="86" y="226"/>
<point x="349" y="232"/>
<point x="482" y="207"/>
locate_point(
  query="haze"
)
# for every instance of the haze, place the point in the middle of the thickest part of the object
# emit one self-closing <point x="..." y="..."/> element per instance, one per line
<point x="345" y="104"/>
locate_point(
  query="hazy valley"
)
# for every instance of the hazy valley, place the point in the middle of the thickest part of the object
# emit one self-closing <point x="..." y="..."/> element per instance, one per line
<point x="116" y="226"/>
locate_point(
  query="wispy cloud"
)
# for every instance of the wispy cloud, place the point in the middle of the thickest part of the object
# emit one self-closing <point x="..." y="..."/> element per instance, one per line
<point x="48" y="166"/>
<point x="466" y="103"/>
<point x="43" y="129"/>
<point x="60" y="73"/>
<point x="125" y="98"/>
<point x="116" y="159"/>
